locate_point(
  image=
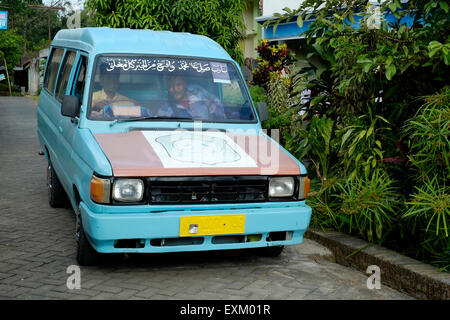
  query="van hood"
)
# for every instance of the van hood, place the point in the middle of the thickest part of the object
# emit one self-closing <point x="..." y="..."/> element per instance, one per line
<point x="194" y="153"/>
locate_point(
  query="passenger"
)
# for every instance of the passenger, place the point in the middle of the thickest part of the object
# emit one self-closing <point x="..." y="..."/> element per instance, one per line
<point x="191" y="102"/>
<point x="108" y="96"/>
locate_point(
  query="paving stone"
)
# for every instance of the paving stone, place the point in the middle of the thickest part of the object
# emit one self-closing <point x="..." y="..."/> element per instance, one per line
<point x="78" y="297"/>
<point x="103" y="296"/>
<point x="147" y="293"/>
<point x="243" y="292"/>
<point x="29" y="296"/>
<point x="125" y="294"/>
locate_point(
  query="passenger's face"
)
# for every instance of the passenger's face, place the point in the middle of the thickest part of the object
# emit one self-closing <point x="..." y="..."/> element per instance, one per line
<point x="177" y="88"/>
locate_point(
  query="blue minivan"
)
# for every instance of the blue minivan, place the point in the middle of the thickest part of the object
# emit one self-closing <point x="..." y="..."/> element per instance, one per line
<point x="153" y="139"/>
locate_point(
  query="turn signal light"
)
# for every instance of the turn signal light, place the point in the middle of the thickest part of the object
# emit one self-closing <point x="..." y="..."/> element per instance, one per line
<point x="307" y="186"/>
<point x="100" y="190"/>
<point x="304" y="186"/>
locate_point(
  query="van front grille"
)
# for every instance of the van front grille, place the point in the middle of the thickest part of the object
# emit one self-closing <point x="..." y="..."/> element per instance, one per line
<point x="202" y="190"/>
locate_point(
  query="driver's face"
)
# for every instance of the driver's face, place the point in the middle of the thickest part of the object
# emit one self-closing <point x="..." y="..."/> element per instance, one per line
<point x="177" y="88"/>
<point x="110" y="83"/>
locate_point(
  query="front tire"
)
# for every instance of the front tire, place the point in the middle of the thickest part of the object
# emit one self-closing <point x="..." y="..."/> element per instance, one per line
<point x="86" y="254"/>
<point x="57" y="197"/>
<point x="273" y="251"/>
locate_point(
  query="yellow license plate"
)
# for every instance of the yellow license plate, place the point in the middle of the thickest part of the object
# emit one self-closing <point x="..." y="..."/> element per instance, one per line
<point x="212" y="225"/>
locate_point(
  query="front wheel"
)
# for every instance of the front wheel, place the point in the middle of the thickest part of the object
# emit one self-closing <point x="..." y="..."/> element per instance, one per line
<point x="57" y="197"/>
<point x="86" y="254"/>
<point x="273" y="251"/>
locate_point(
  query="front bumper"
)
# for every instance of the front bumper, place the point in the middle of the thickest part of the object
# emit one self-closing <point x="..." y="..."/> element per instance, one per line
<point x="159" y="231"/>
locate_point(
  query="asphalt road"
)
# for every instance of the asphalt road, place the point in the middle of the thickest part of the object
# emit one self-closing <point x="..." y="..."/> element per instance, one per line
<point x="37" y="246"/>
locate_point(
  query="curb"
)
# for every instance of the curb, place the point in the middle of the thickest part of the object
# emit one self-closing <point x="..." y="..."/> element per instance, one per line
<point x="415" y="278"/>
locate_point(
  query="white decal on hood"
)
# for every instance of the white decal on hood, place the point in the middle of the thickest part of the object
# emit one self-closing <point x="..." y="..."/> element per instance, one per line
<point x="189" y="149"/>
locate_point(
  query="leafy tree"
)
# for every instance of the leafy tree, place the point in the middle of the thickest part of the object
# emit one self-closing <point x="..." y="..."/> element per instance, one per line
<point x="390" y="64"/>
<point x="10" y="48"/>
<point x="86" y="18"/>
<point x="221" y="20"/>
<point x="32" y="24"/>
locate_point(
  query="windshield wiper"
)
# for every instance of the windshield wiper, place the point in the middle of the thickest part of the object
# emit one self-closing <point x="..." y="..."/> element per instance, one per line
<point x="149" y="118"/>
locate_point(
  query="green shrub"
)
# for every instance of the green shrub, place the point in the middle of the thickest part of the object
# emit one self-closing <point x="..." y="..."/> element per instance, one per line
<point x="282" y="115"/>
<point x="258" y="94"/>
<point x="428" y="135"/>
<point x="368" y="206"/>
<point x="429" y="215"/>
<point x="428" y="208"/>
<point x="317" y="143"/>
<point x="271" y="59"/>
<point x="324" y="204"/>
<point x="361" y="147"/>
<point x="377" y="153"/>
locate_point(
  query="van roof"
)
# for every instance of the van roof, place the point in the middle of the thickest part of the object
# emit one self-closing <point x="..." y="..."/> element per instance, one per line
<point x="124" y="40"/>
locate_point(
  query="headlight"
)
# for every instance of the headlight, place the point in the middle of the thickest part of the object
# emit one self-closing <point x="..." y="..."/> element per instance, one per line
<point x="128" y="190"/>
<point x="281" y="187"/>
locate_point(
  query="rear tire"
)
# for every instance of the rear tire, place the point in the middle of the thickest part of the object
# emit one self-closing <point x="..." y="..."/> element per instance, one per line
<point x="86" y="254"/>
<point x="57" y="197"/>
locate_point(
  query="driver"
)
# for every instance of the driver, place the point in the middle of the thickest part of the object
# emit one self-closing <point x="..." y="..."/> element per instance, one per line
<point x="190" y="101"/>
<point x="108" y="95"/>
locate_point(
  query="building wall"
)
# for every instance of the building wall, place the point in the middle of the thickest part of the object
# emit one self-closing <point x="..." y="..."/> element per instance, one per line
<point x="34" y="77"/>
<point x="252" y="30"/>
<point x="294" y="43"/>
<point x="266" y="8"/>
<point x="269" y="7"/>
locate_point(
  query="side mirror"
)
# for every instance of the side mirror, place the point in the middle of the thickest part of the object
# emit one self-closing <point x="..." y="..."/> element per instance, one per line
<point x="70" y="106"/>
<point x="263" y="111"/>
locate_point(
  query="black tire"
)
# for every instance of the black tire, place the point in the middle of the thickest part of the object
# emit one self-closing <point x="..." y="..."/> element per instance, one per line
<point x="86" y="254"/>
<point x="273" y="251"/>
<point x="57" y="197"/>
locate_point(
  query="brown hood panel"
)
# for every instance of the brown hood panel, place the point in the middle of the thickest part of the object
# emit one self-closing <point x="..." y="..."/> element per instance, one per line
<point x="131" y="155"/>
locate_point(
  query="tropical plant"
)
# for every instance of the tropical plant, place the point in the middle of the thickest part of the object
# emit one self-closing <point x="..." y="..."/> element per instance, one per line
<point x="282" y="115"/>
<point x="258" y="94"/>
<point x="432" y="202"/>
<point x="428" y="139"/>
<point x="324" y="204"/>
<point x="368" y="205"/>
<point x="428" y="209"/>
<point x="429" y="213"/>
<point x="316" y="143"/>
<point x="389" y="64"/>
<point x="271" y="59"/>
<point x="371" y="143"/>
<point x="361" y="147"/>
<point x="221" y="20"/>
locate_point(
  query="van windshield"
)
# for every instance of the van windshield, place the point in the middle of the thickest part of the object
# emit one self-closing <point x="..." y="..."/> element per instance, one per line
<point x="130" y="87"/>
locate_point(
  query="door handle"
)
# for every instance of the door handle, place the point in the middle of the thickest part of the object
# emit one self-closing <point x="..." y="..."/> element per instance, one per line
<point x="60" y="129"/>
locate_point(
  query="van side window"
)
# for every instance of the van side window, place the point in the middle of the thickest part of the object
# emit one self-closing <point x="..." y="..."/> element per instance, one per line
<point x="79" y="80"/>
<point x="52" y="69"/>
<point x="64" y="74"/>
